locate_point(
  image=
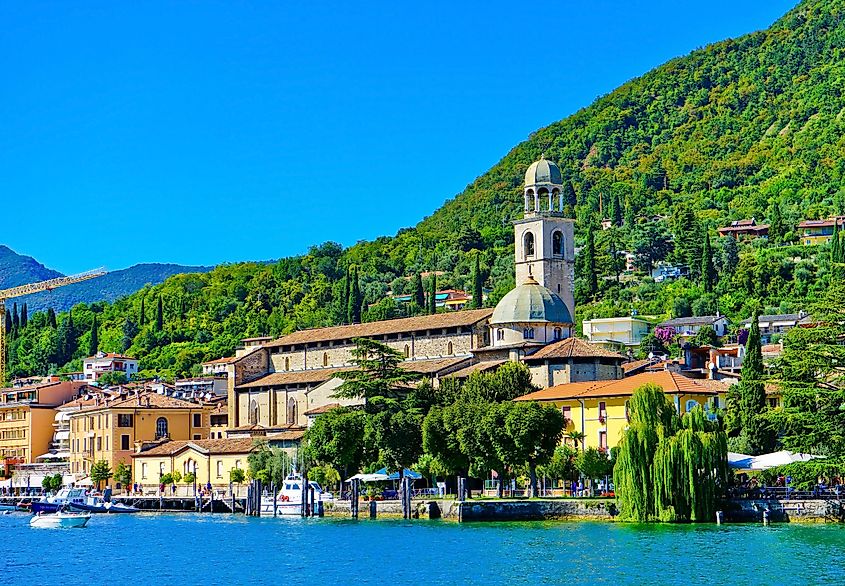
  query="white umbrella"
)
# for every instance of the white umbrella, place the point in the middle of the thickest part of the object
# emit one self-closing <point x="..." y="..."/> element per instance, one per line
<point x="766" y="461"/>
<point x="85" y="482"/>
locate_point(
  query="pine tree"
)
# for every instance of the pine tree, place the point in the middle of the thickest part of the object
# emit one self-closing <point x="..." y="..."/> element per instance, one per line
<point x="159" y="315"/>
<point x="142" y="315"/>
<point x="477" y="286"/>
<point x="51" y="317"/>
<point x="708" y="274"/>
<point x="419" y="292"/>
<point x="432" y="294"/>
<point x="24" y="316"/>
<point x="590" y="264"/>
<point x="94" y="340"/>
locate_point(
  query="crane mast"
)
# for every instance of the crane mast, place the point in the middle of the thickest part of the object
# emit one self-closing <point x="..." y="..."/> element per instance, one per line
<point x="28" y="289"/>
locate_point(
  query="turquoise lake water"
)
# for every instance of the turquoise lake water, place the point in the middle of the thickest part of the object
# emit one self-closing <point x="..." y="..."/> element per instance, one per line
<point x="201" y="550"/>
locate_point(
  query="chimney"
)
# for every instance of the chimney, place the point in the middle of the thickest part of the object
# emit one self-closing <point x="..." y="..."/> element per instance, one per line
<point x="148" y="401"/>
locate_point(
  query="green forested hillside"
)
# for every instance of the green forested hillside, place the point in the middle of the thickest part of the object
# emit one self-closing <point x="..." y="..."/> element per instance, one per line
<point x="746" y="127"/>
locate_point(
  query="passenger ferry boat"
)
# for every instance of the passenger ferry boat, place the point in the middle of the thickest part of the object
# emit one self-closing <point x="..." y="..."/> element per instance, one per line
<point x="289" y="498"/>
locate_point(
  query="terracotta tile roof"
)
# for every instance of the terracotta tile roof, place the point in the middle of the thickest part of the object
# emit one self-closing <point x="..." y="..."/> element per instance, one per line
<point x="632" y="367"/>
<point x="703" y="320"/>
<point x="290" y="435"/>
<point x="319" y="375"/>
<point x="156" y="401"/>
<point x="771" y="349"/>
<point x="224" y="360"/>
<point x="477" y="367"/>
<point x="381" y="328"/>
<point x="821" y="223"/>
<point x="207" y="446"/>
<point x="573" y="348"/>
<point x="322" y="409"/>
<point x="670" y="382"/>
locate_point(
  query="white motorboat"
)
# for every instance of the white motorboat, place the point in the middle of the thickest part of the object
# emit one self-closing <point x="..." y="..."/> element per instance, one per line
<point x="289" y="498"/>
<point x="66" y="496"/>
<point x="59" y="520"/>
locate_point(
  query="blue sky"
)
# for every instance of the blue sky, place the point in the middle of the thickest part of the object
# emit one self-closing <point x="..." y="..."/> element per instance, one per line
<point x="207" y="132"/>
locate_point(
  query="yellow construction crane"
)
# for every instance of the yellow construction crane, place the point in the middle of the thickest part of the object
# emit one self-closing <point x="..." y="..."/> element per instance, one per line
<point x="35" y="288"/>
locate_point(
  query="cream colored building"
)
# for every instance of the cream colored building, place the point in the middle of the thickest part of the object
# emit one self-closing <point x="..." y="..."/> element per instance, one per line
<point x="109" y="429"/>
<point x="616" y="332"/>
<point x="211" y="460"/>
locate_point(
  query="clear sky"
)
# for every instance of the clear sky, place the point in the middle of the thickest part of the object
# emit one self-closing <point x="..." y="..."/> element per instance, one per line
<point x="207" y="132"/>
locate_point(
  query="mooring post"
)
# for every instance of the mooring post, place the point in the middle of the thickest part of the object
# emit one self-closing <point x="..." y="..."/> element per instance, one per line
<point x="373" y="509"/>
<point x="311" y="507"/>
<point x="353" y="498"/>
<point x="718" y="517"/>
<point x="765" y="516"/>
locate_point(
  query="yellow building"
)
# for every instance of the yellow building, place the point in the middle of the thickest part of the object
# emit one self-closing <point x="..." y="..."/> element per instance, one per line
<point x="110" y="429"/>
<point x="818" y="231"/>
<point x="211" y="460"/>
<point x="26" y="419"/>
<point x="599" y="409"/>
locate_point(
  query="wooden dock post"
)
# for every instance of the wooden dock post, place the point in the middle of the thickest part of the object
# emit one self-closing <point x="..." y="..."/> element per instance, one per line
<point x="353" y="499"/>
<point x="373" y="509"/>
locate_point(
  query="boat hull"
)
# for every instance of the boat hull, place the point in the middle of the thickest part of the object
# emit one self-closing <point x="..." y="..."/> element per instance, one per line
<point x="112" y="509"/>
<point x="60" y="521"/>
<point x="44" y="507"/>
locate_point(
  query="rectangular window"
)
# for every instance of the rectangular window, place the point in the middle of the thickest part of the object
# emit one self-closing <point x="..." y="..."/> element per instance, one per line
<point x="219" y="468"/>
<point x="124" y="442"/>
<point x="124" y="420"/>
<point x="99" y="444"/>
<point x="567" y="413"/>
<point x="197" y="420"/>
<point x="602" y="440"/>
<point x="197" y="436"/>
<point x="144" y="471"/>
<point x="602" y="410"/>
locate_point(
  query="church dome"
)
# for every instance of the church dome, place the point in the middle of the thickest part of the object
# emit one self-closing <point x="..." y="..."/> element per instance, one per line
<point x="543" y="171"/>
<point x="531" y="302"/>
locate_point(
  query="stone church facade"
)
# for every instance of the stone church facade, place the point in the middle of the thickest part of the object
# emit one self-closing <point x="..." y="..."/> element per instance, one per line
<point x="279" y="384"/>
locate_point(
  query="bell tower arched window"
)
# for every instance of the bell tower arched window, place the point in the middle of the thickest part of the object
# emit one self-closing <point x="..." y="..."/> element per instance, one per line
<point x="528" y="333"/>
<point x="557" y="243"/>
<point x="558" y="333"/>
<point x="528" y="244"/>
<point x="253" y="412"/>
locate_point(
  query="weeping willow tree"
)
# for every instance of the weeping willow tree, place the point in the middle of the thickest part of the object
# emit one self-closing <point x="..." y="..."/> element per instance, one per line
<point x="669" y="468"/>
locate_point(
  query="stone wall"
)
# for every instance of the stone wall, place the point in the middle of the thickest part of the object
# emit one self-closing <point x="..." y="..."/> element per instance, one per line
<point x="806" y="511"/>
<point x="536" y="510"/>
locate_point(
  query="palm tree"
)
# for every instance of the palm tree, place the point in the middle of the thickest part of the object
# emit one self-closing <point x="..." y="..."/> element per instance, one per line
<point x="576" y="437"/>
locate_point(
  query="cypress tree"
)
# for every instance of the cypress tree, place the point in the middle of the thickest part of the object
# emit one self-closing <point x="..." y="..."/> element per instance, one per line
<point x="432" y="295"/>
<point x="477" y="286"/>
<point x="751" y="393"/>
<point x="419" y="291"/>
<point x="834" y="245"/>
<point x="353" y="306"/>
<point x="629" y="213"/>
<point x="590" y="264"/>
<point x="24" y="316"/>
<point x="51" y="318"/>
<point x="16" y="320"/>
<point x="8" y="322"/>
<point x="708" y="273"/>
<point x="616" y="210"/>
<point x="142" y="316"/>
<point x="94" y="340"/>
<point x="776" y="228"/>
<point x="345" y="304"/>
<point x="159" y="315"/>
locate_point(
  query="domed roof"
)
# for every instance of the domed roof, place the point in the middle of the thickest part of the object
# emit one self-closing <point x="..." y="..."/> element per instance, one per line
<point x="543" y="171"/>
<point x="531" y="302"/>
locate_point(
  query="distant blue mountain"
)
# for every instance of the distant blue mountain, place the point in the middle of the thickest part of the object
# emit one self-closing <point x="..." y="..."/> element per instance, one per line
<point x="17" y="269"/>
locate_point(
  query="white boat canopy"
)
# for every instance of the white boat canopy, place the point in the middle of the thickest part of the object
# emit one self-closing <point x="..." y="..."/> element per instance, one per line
<point x="369" y="477"/>
<point x="765" y="461"/>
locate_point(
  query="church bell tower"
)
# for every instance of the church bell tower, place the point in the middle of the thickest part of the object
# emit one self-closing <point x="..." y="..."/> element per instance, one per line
<point x="545" y="240"/>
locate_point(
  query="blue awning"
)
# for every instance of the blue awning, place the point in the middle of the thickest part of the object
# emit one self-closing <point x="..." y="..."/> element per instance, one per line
<point x="395" y="475"/>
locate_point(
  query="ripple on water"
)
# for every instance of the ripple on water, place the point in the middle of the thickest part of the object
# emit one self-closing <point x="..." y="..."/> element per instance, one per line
<point x="226" y="549"/>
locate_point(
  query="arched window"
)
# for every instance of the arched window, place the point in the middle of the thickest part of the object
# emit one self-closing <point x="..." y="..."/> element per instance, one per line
<point x="556" y="197"/>
<point x="557" y="243"/>
<point x="558" y="333"/>
<point x="528" y="244"/>
<point x="161" y="427"/>
<point x="253" y="412"/>
<point x="528" y="333"/>
<point x="450" y="349"/>
<point x="325" y="358"/>
<point x="500" y="334"/>
<point x="407" y="351"/>
<point x="529" y="200"/>
<point x="287" y="363"/>
<point x="291" y="411"/>
<point x="691" y="404"/>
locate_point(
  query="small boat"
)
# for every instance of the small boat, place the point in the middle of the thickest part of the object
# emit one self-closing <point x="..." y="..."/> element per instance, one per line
<point x="96" y="504"/>
<point x="66" y="496"/>
<point x="10" y="508"/>
<point x="289" y="498"/>
<point x="59" y="520"/>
